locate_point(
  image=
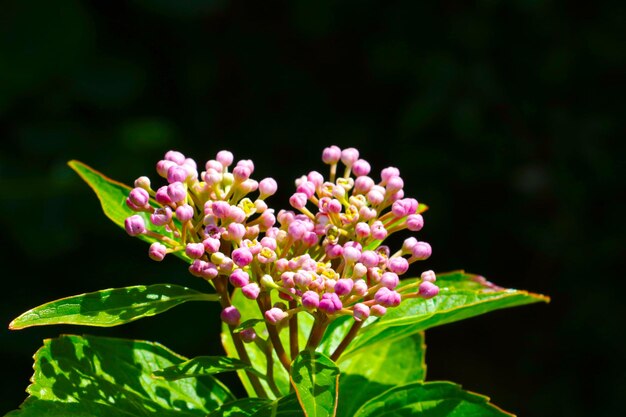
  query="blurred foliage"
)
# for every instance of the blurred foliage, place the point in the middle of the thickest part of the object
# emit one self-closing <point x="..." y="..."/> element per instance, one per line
<point x="505" y="117"/>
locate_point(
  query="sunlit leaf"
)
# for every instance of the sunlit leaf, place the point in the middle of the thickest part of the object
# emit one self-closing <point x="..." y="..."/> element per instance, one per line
<point x="369" y="372"/>
<point x="112" y="195"/>
<point x="461" y="296"/>
<point x="200" y="366"/>
<point x="98" y="376"/>
<point x="110" y="307"/>
<point x="432" y="399"/>
<point x="244" y="407"/>
<point x="316" y="380"/>
<point x="287" y="406"/>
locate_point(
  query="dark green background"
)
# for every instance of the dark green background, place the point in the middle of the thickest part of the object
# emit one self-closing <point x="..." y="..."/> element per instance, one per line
<point x="505" y="117"/>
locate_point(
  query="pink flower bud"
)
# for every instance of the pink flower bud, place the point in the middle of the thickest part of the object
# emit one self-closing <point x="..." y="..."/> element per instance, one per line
<point x="241" y="173"/>
<point x="176" y="173"/>
<point x="267" y="219"/>
<point x="307" y="188"/>
<point x="249" y="186"/>
<point x="236" y="232"/>
<point x="389" y="280"/>
<point x="377" y="310"/>
<point x="214" y="166"/>
<point x="363" y="184"/>
<point x="275" y="315"/>
<point x="421" y="251"/>
<point x="375" y="197"/>
<point x="310" y="300"/>
<point x="297" y="229"/>
<point x="360" y="287"/>
<point x="316" y="178"/>
<point x="361" y="168"/>
<point x="351" y="254"/>
<point x="361" y="312"/>
<point x="331" y="154"/>
<point x="163" y="166"/>
<point x="142" y="182"/>
<point x="135" y="225"/>
<point x="247" y="335"/>
<point x="242" y="256"/>
<point x="161" y="216"/>
<point x="174" y="156"/>
<point x="388" y="298"/>
<point x="389" y="173"/>
<point x="369" y="258"/>
<point x="409" y="244"/>
<point x="302" y="279"/>
<point x="343" y="286"/>
<point x="367" y="213"/>
<point x="398" y="264"/>
<point x="267" y="187"/>
<point x="231" y="316"/>
<point x="330" y="303"/>
<point x="428" y="290"/>
<point x="203" y="269"/>
<point x="429" y="276"/>
<point x="225" y="158"/>
<point x="310" y="239"/>
<point x="211" y="245"/>
<point x="333" y="251"/>
<point x="378" y="231"/>
<point x="349" y="156"/>
<point x="162" y="197"/>
<point x="157" y="251"/>
<point x="194" y="250"/>
<point x="139" y="197"/>
<point x="415" y="222"/>
<point x="359" y="270"/>
<point x="251" y="290"/>
<point x="298" y="200"/>
<point x="362" y="230"/>
<point x="184" y="212"/>
<point x="177" y="192"/>
<point x="394" y="184"/>
<point x="239" y="278"/>
<point x="220" y="209"/>
<point x="236" y="214"/>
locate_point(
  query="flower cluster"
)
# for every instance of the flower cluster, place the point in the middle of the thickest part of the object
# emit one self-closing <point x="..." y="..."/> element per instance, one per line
<point x="325" y="255"/>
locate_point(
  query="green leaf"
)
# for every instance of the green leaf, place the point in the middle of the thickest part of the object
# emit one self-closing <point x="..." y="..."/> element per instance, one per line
<point x="461" y="296"/>
<point x="110" y="307"/>
<point x="287" y="406"/>
<point x="430" y="399"/>
<point x="112" y="195"/>
<point x="244" y="407"/>
<point x="315" y="378"/>
<point x="371" y="371"/>
<point x="201" y="366"/>
<point x="99" y="376"/>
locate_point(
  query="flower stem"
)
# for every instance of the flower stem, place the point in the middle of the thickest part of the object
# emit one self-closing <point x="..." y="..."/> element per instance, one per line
<point x="354" y="330"/>
<point x="317" y="331"/>
<point x="294" y="349"/>
<point x="273" y="333"/>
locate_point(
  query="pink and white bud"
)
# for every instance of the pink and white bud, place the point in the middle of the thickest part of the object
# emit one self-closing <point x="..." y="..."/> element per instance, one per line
<point x="388" y="298"/>
<point x="429" y="276"/>
<point x="377" y="310"/>
<point x="211" y="245"/>
<point x="361" y="312"/>
<point x="176" y="173"/>
<point x="267" y="187"/>
<point x="359" y="270"/>
<point x="236" y="214"/>
<point x="239" y="278"/>
<point x="316" y="178"/>
<point x="266" y="255"/>
<point x="361" y="168"/>
<point x="351" y="254"/>
<point x="389" y="280"/>
<point x="333" y="251"/>
<point x="135" y="225"/>
<point x="184" y="212"/>
<point x="360" y="287"/>
<point x="307" y="188"/>
<point x="236" y="232"/>
<point x="310" y="300"/>
<point x="331" y="155"/>
<point x="142" y="182"/>
<point x="251" y="290"/>
<point x="421" y="251"/>
<point x="362" y="230"/>
<point x="249" y="186"/>
<point x="408" y="245"/>
<point x="349" y="156"/>
<point x="378" y="231"/>
<point x="375" y="197"/>
<point x="427" y="290"/>
<point x="363" y="184"/>
<point x="241" y="173"/>
<point x="138" y="197"/>
<point x="194" y="250"/>
<point x="225" y="158"/>
<point x="231" y="316"/>
<point x="415" y="222"/>
<point x="302" y="279"/>
<point x="161" y="216"/>
<point x="157" y="251"/>
<point x="174" y="156"/>
<point x="298" y="200"/>
<point x="388" y="173"/>
<point x="203" y="269"/>
<point x="163" y="166"/>
<point x="369" y="258"/>
<point x="297" y="229"/>
<point x="177" y="192"/>
<point x="242" y="257"/>
<point x="275" y="315"/>
<point x="343" y="286"/>
<point x="330" y="303"/>
<point x="398" y="265"/>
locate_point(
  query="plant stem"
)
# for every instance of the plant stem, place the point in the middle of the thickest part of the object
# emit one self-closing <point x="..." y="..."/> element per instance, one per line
<point x="263" y="301"/>
<point x="294" y="349"/>
<point x="222" y="288"/>
<point x="317" y="331"/>
<point x="354" y="330"/>
<point x="269" y="358"/>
